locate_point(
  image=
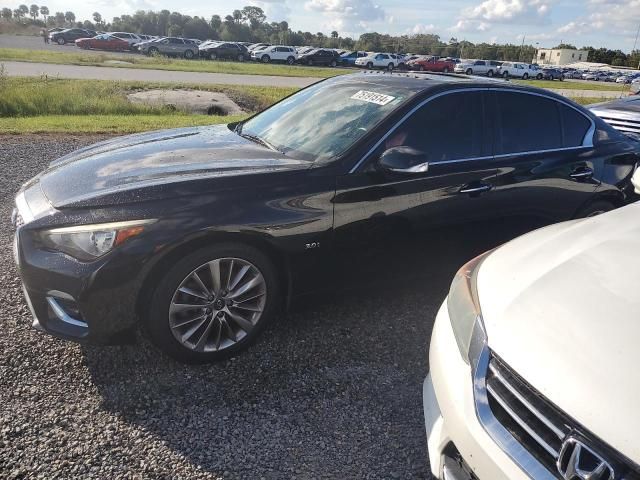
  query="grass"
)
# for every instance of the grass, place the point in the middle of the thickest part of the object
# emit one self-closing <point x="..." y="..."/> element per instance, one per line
<point x="570" y="85"/>
<point x="33" y="96"/>
<point x="77" y="56"/>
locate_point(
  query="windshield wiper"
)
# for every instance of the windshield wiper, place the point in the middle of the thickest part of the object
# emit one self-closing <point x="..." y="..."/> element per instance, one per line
<point x="259" y="140"/>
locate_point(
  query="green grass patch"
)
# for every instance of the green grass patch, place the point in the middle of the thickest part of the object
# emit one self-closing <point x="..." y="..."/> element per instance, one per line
<point x="77" y="56"/>
<point x="106" y="123"/>
<point x="33" y="96"/>
<point x="590" y="100"/>
<point x="570" y="85"/>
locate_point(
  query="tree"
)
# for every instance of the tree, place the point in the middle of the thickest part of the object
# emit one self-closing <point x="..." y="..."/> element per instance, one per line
<point x="34" y="11"/>
<point x="237" y="16"/>
<point x="565" y="45"/>
<point x="334" y="34"/>
<point x="70" y="17"/>
<point x="97" y="18"/>
<point x="21" y="11"/>
<point x="59" y="19"/>
<point x="7" y="14"/>
<point x="44" y="11"/>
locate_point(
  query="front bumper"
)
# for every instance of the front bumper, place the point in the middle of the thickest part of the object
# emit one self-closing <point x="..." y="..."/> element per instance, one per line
<point x="450" y="415"/>
<point x="92" y="302"/>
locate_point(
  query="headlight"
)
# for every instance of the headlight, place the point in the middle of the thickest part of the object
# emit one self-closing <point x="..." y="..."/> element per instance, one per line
<point x="89" y="242"/>
<point x="465" y="313"/>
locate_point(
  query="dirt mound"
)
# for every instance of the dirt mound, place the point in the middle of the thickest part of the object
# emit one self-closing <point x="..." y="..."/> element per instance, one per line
<point x="192" y="101"/>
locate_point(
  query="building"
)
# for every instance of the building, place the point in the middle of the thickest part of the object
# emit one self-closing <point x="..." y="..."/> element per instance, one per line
<point x="561" y="56"/>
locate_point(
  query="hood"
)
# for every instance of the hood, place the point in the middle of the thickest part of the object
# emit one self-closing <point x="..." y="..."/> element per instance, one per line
<point x="561" y="307"/>
<point x="114" y="171"/>
<point x="629" y="105"/>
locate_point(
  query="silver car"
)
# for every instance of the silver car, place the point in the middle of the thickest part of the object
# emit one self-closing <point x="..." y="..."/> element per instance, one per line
<point x="173" y="46"/>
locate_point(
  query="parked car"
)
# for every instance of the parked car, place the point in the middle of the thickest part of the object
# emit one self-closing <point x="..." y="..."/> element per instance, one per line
<point x="532" y="337"/>
<point x="200" y="234"/>
<point x="431" y="64"/>
<point x="225" y="50"/>
<point x="518" y="70"/>
<point x="350" y="58"/>
<point x="319" y="56"/>
<point x="595" y="76"/>
<point x="477" y="67"/>
<point x="275" y="53"/>
<point x="103" y="42"/>
<point x="552" y="74"/>
<point x="70" y="35"/>
<point x="130" y="38"/>
<point x="172" y="46"/>
<point x="378" y="60"/>
<point x="253" y="46"/>
<point x="623" y="114"/>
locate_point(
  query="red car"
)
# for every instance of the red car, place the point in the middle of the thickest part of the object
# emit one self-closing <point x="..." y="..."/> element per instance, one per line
<point x="431" y="64"/>
<point x="103" y="42"/>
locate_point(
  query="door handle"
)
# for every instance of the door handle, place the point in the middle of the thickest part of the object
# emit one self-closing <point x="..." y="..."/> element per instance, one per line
<point x="581" y="173"/>
<point x="477" y="188"/>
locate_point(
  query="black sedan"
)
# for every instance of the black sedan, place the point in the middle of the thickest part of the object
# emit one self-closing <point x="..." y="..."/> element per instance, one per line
<point x="320" y="56"/>
<point x="202" y="234"/>
<point x="224" y="50"/>
<point x="70" y="35"/>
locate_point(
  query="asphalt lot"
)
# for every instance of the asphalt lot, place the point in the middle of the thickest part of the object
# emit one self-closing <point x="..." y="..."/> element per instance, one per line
<point x="31" y="42"/>
<point x="331" y="390"/>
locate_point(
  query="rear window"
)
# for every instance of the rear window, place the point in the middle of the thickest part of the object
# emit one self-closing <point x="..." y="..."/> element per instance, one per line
<point x="574" y="126"/>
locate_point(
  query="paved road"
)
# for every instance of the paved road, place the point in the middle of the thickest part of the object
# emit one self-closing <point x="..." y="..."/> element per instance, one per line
<point x="112" y="73"/>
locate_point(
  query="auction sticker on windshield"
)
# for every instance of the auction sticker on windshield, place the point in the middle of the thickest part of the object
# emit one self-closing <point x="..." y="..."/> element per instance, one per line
<point x="373" y="97"/>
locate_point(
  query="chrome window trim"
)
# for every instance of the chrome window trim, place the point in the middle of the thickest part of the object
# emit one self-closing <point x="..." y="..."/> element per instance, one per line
<point x="514" y="450"/>
<point x="587" y="142"/>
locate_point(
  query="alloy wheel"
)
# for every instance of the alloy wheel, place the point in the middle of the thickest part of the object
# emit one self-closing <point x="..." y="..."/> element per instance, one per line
<point x="217" y="305"/>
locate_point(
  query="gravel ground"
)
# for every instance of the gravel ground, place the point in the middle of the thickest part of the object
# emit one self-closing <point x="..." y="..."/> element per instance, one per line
<point x="332" y="390"/>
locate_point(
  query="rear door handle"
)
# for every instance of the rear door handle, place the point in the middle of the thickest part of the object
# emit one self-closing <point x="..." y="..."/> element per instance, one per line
<point x="581" y="173"/>
<point x="476" y="188"/>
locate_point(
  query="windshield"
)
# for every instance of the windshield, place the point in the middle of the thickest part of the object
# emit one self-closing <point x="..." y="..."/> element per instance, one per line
<point x="324" y="120"/>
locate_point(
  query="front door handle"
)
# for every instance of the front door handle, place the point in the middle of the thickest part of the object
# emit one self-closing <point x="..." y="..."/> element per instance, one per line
<point x="476" y="188"/>
<point x="581" y="173"/>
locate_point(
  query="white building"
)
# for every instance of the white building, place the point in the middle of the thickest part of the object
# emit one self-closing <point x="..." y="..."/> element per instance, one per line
<point x="561" y="56"/>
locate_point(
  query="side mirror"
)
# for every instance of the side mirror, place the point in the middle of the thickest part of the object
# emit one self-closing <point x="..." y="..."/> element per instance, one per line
<point x="404" y="160"/>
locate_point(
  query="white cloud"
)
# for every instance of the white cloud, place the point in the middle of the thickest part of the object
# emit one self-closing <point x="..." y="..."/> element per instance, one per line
<point x="351" y="15"/>
<point x="615" y="17"/>
<point x="421" y="28"/>
<point x="501" y="11"/>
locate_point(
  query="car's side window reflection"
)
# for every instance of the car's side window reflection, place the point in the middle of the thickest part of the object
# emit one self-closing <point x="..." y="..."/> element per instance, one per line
<point x="446" y="128"/>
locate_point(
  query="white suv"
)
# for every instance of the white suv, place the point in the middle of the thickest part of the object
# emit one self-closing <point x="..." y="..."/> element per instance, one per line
<point x="519" y="70"/>
<point x="477" y="67"/>
<point x="378" y="60"/>
<point x="534" y="355"/>
<point x="278" y="53"/>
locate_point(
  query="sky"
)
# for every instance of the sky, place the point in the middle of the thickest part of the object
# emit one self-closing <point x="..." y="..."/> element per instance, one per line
<point x="599" y="23"/>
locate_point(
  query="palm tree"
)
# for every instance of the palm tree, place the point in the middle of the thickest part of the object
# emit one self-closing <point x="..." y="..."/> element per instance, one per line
<point x="44" y="11"/>
<point x="70" y="17"/>
<point x="7" y="13"/>
<point x="334" y="34"/>
<point x="97" y="18"/>
<point x="34" y="11"/>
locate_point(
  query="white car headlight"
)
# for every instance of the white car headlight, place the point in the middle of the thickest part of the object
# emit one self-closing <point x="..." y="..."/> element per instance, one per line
<point x="89" y="242"/>
<point x="464" y="311"/>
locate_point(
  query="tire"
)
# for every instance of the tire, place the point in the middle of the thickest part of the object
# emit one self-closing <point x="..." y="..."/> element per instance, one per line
<point x="490" y="73"/>
<point x="525" y="76"/>
<point x="333" y="63"/>
<point x="61" y="41"/>
<point x="595" y="208"/>
<point x="390" y="67"/>
<point x="421" y="68"/>
<point x="219" y="335"/>
<point x="240" y="58"/>
<point x="213" y="56"/>
<point x="265" y="59"/>
<point x="469" y="71"/>
<point x="505" y="75"/>
<point x="445" y="70"/>
<point x="370" y="66"/>
<point x="539" y="77"/>
<point x="188" y="54"/>
<point x="290" y="60"/>
<point x="153" y="51"/>
<point x="310" y="62"/>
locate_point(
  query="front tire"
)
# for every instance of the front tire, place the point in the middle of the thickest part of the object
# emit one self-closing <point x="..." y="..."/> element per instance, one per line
<point x="310" y="62"/>
<point x="370" y="66"/>
<point x="539" y="77"/>
<point x="595" y="208"/>
<point x="213" y="56"/>
<point x="61" y="41"/>
<point x="505" y="75"/>
<point x="490" y="73"/>
<point x="188" y="54"/>
<point x="421" y="68"/>
<point x="290" y="60"/>
<point x="213" y="303"/>
<point x="333" y="63"/>
<point x="525" y="76"/>
<point x="390" y="67"/>
<point x="469" y="71"/>
<point x="265" y="59"/>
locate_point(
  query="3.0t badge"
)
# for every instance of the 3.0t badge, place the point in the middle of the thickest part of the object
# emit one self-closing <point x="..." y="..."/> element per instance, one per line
<point x="579" y="462"/>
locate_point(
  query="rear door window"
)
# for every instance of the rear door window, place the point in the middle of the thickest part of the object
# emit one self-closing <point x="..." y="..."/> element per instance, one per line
<point x="574" y="126"/>
<point x="526" y="123"/>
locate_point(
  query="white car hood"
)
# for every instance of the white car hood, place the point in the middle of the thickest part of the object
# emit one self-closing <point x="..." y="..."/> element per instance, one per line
<point x="561" y="307"/>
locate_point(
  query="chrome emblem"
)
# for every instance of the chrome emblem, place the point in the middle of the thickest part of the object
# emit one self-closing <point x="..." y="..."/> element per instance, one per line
<point x="578" y="462"/>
